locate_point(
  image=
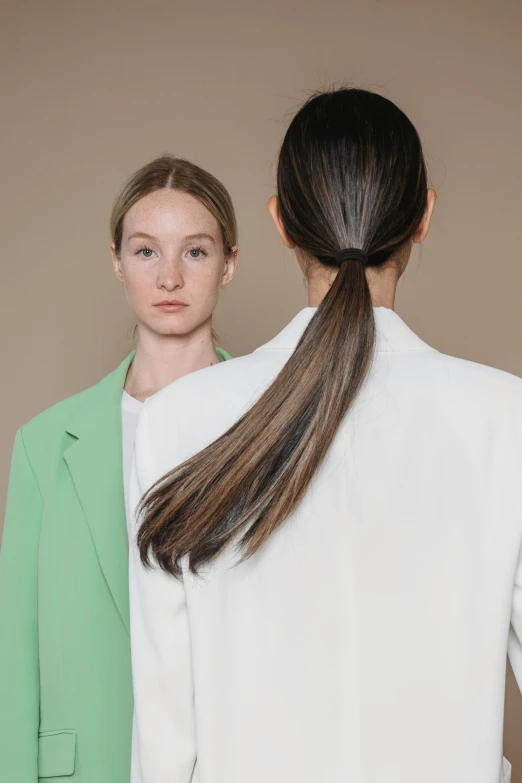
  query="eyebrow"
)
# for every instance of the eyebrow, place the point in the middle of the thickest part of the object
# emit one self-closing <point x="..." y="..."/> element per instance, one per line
<point x="200" y="236"/>
<point x="142" y="235"/>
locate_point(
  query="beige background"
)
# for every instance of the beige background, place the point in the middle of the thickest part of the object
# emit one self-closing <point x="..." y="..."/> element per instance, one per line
<point x="93" y="90"/>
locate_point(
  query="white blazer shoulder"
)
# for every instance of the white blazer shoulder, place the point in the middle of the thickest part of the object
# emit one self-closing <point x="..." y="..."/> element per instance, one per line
<point x="367" y="640"/>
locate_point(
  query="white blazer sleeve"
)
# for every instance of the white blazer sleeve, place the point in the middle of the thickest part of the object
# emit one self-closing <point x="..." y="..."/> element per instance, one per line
<point x="515" y="632"/>
<point x="164" y="737"/>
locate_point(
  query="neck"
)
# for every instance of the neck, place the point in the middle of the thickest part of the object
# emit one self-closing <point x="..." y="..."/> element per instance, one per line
<point x="382" y="284"/>
<point x="162" y="359"/>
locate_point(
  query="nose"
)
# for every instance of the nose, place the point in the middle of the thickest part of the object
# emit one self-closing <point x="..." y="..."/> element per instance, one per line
<point x="170" y="276"/>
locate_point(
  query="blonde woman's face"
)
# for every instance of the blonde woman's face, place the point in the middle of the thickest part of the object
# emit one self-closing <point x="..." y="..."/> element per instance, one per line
<point x="172" y="262"/>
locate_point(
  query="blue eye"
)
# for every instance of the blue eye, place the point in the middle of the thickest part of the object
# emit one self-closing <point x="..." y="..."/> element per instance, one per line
<point x="146" y="252"/>
<point x="196" y="252"/>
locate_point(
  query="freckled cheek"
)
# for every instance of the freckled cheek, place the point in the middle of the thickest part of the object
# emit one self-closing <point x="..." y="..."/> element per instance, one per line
<point x="204" y="285"/>
<point x="139" y="288"/>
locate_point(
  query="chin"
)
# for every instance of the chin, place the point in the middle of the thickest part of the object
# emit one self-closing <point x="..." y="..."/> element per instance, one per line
<point x="177" y="324"/>
<point x="177" y="329"/>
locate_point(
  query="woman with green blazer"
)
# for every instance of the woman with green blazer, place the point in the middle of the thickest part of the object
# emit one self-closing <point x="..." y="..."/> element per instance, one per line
<point x="66" y="702"/>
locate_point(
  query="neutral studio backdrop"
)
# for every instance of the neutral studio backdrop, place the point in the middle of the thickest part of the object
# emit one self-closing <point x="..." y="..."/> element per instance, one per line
<point x="90" y="91"/>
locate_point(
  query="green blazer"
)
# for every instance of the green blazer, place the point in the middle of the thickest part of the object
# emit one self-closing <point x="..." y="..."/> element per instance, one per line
<point x="65" y="673"/>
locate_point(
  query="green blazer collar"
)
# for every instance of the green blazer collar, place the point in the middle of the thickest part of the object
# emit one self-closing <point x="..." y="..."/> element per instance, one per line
<point x="223" y="355"/>
<point x="95" y="462"/>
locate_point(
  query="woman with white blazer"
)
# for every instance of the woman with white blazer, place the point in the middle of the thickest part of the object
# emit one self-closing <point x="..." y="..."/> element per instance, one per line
<point x="330" y="573"/>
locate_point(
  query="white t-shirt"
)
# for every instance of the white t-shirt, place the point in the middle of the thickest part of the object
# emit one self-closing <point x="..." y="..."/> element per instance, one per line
<point x="130" y="409"/>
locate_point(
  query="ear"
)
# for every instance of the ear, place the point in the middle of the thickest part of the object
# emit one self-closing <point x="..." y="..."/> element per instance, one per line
<point x="422" y="231"/>
<point x="229" y="270"/>
<point x="116" y="264"/>
<point x="273" y="209"/>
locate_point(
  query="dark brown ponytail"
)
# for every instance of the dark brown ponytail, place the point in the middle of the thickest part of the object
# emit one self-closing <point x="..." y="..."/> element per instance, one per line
<point x="351" y="175"/>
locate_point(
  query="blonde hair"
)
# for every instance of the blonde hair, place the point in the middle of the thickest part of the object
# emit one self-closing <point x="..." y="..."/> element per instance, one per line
<point x="167" y="171"/>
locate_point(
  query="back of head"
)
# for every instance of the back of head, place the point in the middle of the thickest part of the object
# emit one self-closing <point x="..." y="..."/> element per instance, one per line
<point x="352" y="191"/>
<point x="351" y="174"/>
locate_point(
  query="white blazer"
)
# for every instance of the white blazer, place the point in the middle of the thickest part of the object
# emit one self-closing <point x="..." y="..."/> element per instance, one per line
<point x="366" y="641"/>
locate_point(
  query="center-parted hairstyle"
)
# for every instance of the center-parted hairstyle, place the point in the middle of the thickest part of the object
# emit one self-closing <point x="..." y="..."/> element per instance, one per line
<point x="174" y="173"/>
<point x="351" y="175"/>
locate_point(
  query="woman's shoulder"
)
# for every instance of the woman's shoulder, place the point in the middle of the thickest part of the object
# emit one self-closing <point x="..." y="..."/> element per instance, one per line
<point x="43" y="434"/>
<point x="481" y="382"/>
<point x="56" y="414"/>
<point x="189" y="414"/>
<point x="54" y="419"/>
<point x="231" y="383"/>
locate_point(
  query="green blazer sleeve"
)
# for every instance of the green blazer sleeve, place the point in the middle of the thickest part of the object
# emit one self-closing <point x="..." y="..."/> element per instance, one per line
<point x="19" y="669"/>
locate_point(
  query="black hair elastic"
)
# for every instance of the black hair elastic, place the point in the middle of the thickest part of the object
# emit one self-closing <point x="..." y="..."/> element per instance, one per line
<point x="352" y="254"/>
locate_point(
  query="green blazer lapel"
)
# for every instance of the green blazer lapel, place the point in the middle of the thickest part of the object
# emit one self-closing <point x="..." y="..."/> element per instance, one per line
<point x="224" y="356"/>
<point x="95" y="463"/>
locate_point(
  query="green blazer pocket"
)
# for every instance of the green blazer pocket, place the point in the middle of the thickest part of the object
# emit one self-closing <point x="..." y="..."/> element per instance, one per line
<point x="56" y="753"/>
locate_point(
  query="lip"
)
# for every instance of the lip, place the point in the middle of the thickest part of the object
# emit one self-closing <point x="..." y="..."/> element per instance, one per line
<point x="170" y="305"/>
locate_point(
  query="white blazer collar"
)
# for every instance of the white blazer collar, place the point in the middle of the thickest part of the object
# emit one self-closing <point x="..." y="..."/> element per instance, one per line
<point x="392" y="332"/>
